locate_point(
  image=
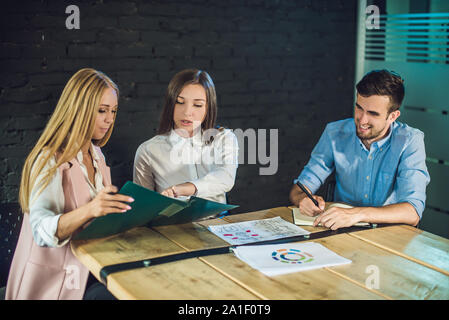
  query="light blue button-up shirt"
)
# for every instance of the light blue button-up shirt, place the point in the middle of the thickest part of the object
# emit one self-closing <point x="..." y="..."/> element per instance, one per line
<point x="392" y="171"/>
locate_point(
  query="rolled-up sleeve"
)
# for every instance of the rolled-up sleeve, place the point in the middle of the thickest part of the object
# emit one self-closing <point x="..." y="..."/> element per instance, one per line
<point x="320" y="165"/>
<point x="45" y="211"/>
<point x="412" y="177"/>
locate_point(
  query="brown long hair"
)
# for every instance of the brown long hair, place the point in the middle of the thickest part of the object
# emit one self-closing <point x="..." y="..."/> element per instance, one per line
<point x="177" y="83"/>
<point x="70" y="127"/>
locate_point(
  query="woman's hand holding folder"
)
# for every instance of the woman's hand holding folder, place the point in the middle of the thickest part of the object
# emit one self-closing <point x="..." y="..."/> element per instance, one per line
<point x="108" y="201"/>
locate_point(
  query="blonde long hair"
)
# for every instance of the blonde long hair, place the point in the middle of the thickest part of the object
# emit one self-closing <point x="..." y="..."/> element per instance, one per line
<point x="70" y="127"/>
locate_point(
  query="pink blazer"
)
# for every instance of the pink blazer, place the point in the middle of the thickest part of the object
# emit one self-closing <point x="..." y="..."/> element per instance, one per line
<point x="53" y="273"/>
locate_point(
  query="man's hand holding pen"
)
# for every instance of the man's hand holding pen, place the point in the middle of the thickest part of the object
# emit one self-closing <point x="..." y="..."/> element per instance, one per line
<point x="309" y="204"/>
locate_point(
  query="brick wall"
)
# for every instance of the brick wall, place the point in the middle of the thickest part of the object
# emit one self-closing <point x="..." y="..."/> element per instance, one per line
<point x="277" y="64"/>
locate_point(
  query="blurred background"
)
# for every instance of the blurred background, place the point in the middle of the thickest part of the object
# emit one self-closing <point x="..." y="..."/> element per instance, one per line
<point x="277" y="64"/>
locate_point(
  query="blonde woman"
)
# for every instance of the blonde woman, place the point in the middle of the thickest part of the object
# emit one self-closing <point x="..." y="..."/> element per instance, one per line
<point x="65" y="183"/>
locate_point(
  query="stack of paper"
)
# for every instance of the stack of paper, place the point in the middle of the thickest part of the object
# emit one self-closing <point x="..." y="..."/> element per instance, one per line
<point x="277" y="259"/>
<point x="257" y="230"/>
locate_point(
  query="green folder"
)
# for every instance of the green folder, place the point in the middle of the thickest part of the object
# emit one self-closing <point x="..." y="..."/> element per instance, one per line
<point x="152" y="209"/>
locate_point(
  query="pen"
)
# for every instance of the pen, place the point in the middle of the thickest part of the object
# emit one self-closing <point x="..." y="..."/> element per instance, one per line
<point x="307" y="193"/>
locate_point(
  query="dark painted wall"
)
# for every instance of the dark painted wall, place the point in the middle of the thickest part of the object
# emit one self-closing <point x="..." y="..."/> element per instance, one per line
<point x="286" y="65"/>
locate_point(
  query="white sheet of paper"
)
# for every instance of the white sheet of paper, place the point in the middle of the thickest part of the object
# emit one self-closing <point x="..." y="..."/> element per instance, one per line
<point x="257" y="230"/>
<point x="277" y="259"/>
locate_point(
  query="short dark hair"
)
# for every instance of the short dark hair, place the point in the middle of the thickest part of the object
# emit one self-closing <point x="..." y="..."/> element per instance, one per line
<point x="177" y="83"/>
<point x="383" y="83"/>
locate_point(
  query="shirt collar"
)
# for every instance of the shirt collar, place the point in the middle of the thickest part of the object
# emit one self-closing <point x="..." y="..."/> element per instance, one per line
<point x="175" y="138"/>
<point x="381" y="142"/>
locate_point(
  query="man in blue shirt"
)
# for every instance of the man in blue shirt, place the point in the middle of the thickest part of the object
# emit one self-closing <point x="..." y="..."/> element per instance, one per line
<point x="379" y="163"/>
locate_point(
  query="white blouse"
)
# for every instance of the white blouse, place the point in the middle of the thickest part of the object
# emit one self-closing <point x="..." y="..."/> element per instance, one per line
<point x="48" y="206"/>
<point x="168" y="160"/>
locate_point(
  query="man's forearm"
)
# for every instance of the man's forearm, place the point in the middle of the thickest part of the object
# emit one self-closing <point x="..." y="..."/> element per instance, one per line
<point x="393" y="213"/>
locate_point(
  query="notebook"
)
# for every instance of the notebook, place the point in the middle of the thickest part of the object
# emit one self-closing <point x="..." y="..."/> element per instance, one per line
<point x="304" y="220"/>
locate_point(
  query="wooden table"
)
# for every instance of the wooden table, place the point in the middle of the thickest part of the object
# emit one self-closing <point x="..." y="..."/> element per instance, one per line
<point x="411" y="264"/>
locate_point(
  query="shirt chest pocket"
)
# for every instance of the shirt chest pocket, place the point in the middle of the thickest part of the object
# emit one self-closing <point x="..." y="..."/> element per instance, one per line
<point x="386" y="181"/>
